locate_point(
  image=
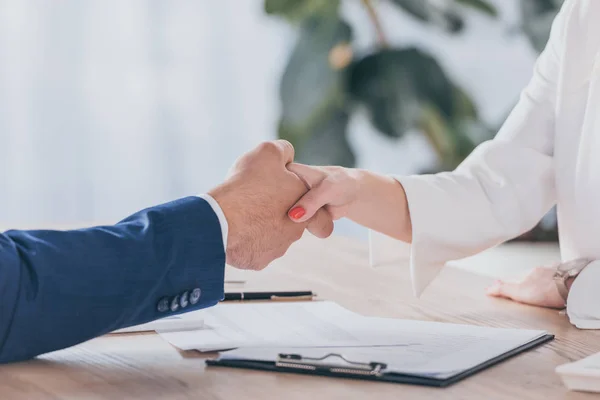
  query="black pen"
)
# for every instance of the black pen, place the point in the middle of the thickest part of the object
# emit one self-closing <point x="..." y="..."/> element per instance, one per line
<point x="306" y="295"/>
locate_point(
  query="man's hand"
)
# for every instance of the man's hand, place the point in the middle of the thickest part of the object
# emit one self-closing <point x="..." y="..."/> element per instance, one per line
<point x="537" y="289"/>
<point x="255" y="198"/>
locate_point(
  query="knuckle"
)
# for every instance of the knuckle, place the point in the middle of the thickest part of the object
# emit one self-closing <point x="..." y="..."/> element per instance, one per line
<point x="268" y="148"/>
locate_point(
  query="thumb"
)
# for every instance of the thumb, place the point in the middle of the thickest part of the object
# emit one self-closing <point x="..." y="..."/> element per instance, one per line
<point x="310" y="203"/>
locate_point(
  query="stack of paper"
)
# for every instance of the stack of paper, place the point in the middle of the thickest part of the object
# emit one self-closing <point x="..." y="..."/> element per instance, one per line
<point x="324" y="332"/>
<point x="312" y="323"/>
<point x="582" y="375"/>
<point x="417" y="345"/>
<point x="192" y="320"/>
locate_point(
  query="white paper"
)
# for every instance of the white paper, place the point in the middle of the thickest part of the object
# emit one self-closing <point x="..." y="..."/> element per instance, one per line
<point x="441" y="347"/>
<point x="228" y="326"/>
<point x="582" y="375"/>
<point x="322" y="327"/>
<point x="189" y="321"/>
<point x="423" y="348"/>
<point x="588" y="365"/>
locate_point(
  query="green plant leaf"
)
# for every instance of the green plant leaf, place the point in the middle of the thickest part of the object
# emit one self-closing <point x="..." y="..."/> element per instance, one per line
<point x="437" y="131"/>
<point x="470" y="133"/>
<point x="537" y="17"/>
<point x="464" y="107"/>
<point x="326" y="145"/>
<point x="310" y="87"/>
<point x="407" y="90"/>
<point x="297" y="11"/>
<point x="481" y="5"/>
<point x="452" y="140"/>
<point x="429" y="11"/>
<point x="393" y="85"/>
<point x="314" y="103"/>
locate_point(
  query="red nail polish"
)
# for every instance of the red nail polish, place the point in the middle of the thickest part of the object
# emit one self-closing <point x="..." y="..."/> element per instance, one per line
<point x="297" y="212"/>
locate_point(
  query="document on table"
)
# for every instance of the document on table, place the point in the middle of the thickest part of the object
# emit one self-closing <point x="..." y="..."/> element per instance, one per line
<point x="228" y="326"/>
<point x="326" y="325"/>
<point x="582" y="375"/>
<point x="432" y="354"/>
<point x="191" y="320"/>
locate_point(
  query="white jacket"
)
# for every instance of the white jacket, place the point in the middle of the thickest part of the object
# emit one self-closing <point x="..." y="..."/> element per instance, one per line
<point x="548" y="152"/>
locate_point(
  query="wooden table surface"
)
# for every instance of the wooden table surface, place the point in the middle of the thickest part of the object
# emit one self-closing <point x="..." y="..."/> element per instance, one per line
<point x="143" y="366"/>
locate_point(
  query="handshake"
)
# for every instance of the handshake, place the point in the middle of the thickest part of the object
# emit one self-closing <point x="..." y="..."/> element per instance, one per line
<point x="256" y="198"/>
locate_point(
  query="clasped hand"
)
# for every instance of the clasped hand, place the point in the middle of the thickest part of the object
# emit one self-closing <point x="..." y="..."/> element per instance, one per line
<point x="255" y="198"/>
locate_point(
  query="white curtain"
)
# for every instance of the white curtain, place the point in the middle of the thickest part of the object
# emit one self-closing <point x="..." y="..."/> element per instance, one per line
<point x="108" y="106"/>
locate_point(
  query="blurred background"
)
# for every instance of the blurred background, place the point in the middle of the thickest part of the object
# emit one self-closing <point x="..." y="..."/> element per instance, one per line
<point x="109" y="106"/>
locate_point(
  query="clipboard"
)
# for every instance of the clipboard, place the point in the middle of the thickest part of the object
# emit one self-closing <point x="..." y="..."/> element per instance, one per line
<point x="327" y="366"/>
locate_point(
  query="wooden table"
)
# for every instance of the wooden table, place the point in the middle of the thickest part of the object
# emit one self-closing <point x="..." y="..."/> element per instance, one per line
<point x="145" y="367"/>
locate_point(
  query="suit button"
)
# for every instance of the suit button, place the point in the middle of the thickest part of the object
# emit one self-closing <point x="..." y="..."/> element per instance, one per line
<point x="175" y="303"/>
<point x="184" y="300"/>
<point x="163" y="305"/>
<point x="195" y="296"/>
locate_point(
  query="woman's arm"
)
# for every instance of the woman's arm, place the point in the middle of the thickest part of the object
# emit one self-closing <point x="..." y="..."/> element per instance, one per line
<point x="500" y="191"/>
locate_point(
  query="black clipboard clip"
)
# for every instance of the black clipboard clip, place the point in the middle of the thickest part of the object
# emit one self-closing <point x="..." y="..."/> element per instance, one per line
<point x="320" y="364"/>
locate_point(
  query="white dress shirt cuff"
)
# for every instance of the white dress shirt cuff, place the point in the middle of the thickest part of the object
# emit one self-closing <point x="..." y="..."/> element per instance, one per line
<point x="222" y="220"/>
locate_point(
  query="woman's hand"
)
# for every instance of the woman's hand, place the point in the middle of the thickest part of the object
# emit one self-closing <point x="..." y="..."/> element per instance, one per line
<point x="332" y="188"/>
<point x="374" y="201"/>
<point x="537" y="289"/>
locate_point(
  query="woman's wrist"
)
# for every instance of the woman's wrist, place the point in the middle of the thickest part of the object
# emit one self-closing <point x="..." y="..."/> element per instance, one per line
<point x="381" y="205"/>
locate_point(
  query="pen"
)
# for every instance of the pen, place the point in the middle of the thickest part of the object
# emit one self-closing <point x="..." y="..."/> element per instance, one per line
<point x="306" y="295"/>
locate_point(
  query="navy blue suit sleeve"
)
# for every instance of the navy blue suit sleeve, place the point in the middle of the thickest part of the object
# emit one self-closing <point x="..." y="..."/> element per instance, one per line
<point x="58" y="288"/>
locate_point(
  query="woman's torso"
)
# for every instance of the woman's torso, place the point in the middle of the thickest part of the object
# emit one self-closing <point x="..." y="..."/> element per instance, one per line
<point x="577" y="134"/>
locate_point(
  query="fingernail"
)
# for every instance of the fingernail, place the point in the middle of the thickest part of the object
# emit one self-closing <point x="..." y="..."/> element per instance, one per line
<point x="297" y="212"/>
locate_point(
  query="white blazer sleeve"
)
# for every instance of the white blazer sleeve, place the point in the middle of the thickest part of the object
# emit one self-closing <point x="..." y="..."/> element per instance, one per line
<point x="501" y="190"/>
